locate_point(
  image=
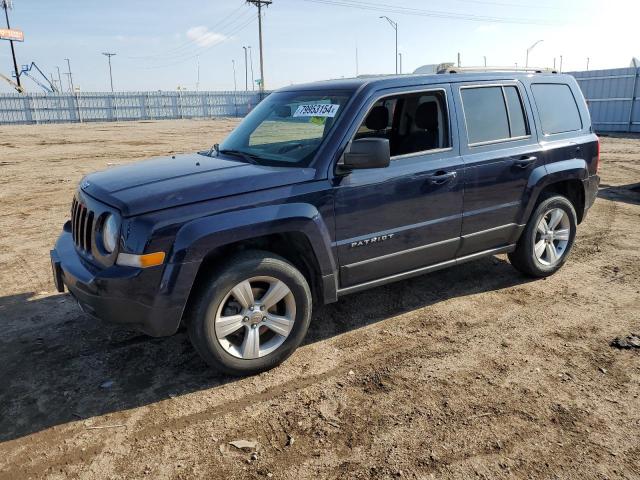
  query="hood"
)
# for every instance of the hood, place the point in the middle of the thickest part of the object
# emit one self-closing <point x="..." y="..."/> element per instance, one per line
<point x="167" y="182"/>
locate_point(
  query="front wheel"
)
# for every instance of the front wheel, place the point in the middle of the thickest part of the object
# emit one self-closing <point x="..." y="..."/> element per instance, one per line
<point x="252" y="315"/>
<point x="547" y="239"/>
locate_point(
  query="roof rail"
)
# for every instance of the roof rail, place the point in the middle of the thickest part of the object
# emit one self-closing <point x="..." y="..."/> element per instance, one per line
<point x="495" y="69"/>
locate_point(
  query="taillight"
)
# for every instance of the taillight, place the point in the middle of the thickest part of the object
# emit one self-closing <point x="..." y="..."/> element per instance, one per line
<point x="598" y="157"/>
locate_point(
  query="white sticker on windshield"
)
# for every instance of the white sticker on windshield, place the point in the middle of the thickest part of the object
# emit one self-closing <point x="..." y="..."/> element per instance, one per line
<point x="317" y="110"/>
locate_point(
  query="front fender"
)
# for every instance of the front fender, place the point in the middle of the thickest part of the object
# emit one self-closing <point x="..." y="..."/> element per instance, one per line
<point x="543" y="176"/>
<point x="199" y="237"/>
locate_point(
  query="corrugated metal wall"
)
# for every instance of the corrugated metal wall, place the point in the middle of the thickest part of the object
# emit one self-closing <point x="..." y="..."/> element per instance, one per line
<point x="99" y="107"/>
<point x="612" y="96"/>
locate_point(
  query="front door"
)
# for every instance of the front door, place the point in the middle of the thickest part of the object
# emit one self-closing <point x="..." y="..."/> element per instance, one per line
<point x="500" y="151"/>
<point x="397" y="219"/>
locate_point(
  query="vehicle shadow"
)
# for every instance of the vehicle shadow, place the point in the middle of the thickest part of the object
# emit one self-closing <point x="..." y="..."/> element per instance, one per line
<point x="58" y="365"/>
<point x="621" y="193"/>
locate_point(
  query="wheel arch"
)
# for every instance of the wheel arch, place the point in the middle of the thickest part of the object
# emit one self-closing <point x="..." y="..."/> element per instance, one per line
<point x="564" y="178"/>
<point x="295" y="232"/>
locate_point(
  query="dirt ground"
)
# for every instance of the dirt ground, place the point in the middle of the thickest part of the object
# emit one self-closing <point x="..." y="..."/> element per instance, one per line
<point x="470" y="372"/>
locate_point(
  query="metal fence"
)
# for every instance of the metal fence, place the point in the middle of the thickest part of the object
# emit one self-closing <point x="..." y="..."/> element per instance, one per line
<point x="612" y="96"/>
<point x="36" y="108"/>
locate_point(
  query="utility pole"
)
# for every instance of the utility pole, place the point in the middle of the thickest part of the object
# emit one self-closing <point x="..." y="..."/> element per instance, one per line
<point x="71" y="87"/>
<point x="459" y="65"/>
<point x="7" y="4"/>
<point x="59" y="79"/>
<point x="246" y="70"/>
<point x="587" y="63"/>
<point x="526" y="65"/>
<point x="394" y="25"/>
<point x="253" y="81"/>
<point x="560" y="63"/>
<point x="485" y="61"/>
<point x="260" y="4"/>
<point x="109" y="55"/>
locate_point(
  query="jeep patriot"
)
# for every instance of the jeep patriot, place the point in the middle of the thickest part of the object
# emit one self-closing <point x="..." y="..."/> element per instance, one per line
<point x="327" y="189"/>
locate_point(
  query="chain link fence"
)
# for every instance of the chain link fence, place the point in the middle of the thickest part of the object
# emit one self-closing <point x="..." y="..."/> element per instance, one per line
<point x="38" y="108"/>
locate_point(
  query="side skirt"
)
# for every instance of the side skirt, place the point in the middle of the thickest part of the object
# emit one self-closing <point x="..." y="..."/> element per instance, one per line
<point x="421" y="271"/>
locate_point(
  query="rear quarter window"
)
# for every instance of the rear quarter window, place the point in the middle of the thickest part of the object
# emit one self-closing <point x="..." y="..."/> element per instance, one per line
<point x="557" y="108"/>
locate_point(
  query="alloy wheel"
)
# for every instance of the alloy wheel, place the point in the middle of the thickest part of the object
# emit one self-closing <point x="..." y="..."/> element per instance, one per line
<point x="255" y="317"/>
<point x="552" y="237"/>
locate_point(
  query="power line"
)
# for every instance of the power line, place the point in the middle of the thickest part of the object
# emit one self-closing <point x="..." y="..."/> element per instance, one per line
<point x="387" y="8"/>
<point x="190" y="57"/>
<point x="189" y="43"/>
<point x="190" y="53"/>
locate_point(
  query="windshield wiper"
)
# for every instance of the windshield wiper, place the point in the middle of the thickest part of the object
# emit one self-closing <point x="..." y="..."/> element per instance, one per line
<point x="248" y="157"/>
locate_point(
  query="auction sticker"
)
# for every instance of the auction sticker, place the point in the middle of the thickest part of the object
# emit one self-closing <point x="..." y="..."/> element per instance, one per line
<point x="317" y="110"/>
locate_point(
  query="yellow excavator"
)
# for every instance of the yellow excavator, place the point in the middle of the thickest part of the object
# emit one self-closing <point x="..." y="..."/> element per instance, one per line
<point x="12" y="83"/>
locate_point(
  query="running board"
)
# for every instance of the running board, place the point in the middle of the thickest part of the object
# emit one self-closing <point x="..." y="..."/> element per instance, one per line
<point x="421" y="271"/>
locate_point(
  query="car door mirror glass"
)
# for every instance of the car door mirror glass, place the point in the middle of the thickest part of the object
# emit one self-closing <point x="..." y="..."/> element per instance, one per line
<point x="367" y="153"/>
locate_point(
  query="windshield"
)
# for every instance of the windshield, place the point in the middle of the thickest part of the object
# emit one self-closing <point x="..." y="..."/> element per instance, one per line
<point x="286" y="128"/>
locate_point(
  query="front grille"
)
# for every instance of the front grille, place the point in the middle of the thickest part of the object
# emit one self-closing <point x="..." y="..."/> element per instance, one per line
<point x="81" y="225"/>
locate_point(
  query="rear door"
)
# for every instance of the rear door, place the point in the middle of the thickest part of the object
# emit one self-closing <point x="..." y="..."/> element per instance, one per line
<point x="406" y="216"/>
<point x="500" y="150"/>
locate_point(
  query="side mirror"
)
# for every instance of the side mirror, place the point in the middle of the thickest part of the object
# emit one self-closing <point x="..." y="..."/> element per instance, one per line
<point x="367" y="153"/>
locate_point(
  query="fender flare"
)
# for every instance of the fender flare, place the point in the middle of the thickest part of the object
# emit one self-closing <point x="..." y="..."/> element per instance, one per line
<point x="543" y="176"/>
<point x="199" y="237"/>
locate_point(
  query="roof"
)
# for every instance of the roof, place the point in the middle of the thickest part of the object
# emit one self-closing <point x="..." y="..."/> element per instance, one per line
<point x="390" y="81"/>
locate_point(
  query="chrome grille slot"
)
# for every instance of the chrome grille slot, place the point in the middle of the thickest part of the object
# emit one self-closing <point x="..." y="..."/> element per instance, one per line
<point x="82" y="221"/>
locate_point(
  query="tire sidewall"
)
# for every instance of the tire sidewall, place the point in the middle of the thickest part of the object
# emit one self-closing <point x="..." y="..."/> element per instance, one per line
<point x="546" y="205"/>
<point x="240" y="269"/>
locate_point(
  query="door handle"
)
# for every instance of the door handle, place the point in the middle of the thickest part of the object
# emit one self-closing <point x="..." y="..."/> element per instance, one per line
<point x="525" y="162"/>
<point x="440" y="178"/>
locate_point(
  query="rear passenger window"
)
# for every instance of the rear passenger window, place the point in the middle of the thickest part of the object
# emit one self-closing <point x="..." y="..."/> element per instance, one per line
<point x="485" y="114"/>
<point x="557" y="107"/>
<point x="493" y="114"/>
<point x="516" y="113"/>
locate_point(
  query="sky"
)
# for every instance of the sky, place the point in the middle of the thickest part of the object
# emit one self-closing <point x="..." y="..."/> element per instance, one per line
<point x="159" y="43"/>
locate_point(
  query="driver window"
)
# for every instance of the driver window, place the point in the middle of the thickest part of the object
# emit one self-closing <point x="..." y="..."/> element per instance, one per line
<point x="413" y="123"/>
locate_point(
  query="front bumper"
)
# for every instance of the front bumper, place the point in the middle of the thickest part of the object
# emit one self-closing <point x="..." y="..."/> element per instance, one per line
<point x="151" y="300"/>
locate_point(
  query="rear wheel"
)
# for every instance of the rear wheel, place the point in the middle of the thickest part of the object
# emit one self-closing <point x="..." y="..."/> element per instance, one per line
<point x="252" y="315"/>
<point x="547" y="239"/>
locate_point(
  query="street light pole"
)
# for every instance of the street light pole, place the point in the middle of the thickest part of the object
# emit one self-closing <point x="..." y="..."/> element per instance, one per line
<point x="246" y="70"/>
<point x="253" y="80"/>
<point x="394" y="25"/>
<point x="109" y="55"/>
<point x="400" y="55"/>
<point x="526" y="65"/>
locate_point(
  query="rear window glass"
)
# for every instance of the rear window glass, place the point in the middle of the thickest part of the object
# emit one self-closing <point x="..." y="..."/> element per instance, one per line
<point x="516" y="114"/>
<point x="557" y="107"/>
<point x="485" y="113"/>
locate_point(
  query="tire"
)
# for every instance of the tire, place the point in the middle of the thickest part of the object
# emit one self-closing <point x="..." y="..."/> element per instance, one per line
<point x="223" y="304"/>
<point x="527" y="257"/>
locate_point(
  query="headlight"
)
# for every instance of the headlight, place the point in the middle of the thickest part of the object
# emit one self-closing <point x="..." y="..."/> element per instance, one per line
<point x="110" y="232"/>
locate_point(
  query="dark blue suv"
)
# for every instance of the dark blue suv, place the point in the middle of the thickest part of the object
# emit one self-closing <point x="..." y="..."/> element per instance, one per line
<point x="328" y="189"/>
